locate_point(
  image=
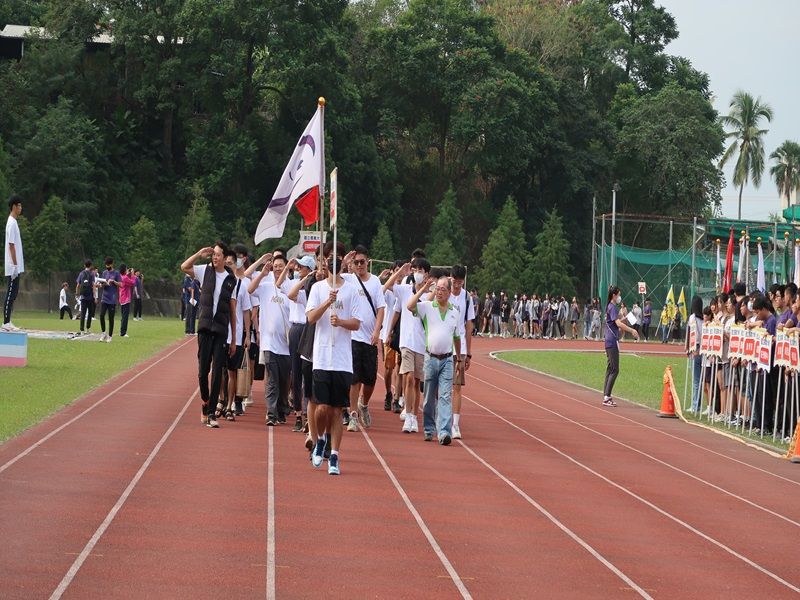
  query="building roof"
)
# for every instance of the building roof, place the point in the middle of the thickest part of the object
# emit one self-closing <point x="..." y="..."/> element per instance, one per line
<point x="20" y="32"/>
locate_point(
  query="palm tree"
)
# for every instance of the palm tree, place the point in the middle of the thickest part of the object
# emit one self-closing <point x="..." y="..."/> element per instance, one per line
<point x="744" y="120"/>
<point x="786" y="173"/>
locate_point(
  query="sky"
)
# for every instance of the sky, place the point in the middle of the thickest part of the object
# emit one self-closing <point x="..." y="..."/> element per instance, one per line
<point x="749" y="45"/>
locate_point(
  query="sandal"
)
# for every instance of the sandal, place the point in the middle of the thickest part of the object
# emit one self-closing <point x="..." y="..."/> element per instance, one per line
<point x="219" y="411"/>
<point x="229" y="415"/>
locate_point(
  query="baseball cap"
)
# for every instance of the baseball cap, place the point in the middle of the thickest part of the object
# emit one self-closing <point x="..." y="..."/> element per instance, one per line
<point x="307" y="261"/>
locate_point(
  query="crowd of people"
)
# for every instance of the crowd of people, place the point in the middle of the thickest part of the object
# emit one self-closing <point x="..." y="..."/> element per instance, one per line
<point x="321" y="327"/>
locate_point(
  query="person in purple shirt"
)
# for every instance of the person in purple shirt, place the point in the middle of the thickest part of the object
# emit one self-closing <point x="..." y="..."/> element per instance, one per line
<point x="108" y="302"/>
<point x="613" y="324"/>
<point x="763" y="411"/>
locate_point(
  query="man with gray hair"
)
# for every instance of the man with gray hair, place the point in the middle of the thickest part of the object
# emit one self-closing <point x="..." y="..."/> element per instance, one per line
<point x="442" y="322"/>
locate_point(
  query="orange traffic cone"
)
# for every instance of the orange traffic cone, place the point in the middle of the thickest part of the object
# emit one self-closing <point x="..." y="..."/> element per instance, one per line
<point x="667" y="401"/>
<point x="792" y="454"/>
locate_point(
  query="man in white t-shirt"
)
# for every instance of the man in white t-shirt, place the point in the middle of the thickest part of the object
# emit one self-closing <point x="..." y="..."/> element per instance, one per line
<point x="242" y="334"/>
<point x="442" y="325"/>
<point x="14" y="260"/>
<point x="335" y="308"/>
<point x="274" y="342"/>
<point x="465" y="306"/>
<point x="366" y="339"/>
<point x="63" y="303"/>
<point x="412" y="338"/>
<point x="217" y="317"/>
<point x="391" y="357"/>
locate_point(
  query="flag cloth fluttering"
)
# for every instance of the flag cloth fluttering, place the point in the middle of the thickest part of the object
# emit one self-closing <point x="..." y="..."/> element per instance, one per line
<point x="740" y="270"/>
<point x="796" y="263"/>
<point x="670" y="303"/>
<point x="718" y="282"/>
<point x="682" y="305"/>
<point x="786" y="262"/>
<point x="301" y="183"/>
<point x="727" y="282"/>
<point x="761" y="281"/>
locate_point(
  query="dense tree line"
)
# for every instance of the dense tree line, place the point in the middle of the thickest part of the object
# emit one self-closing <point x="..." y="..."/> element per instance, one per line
<point x="501" y="114"/>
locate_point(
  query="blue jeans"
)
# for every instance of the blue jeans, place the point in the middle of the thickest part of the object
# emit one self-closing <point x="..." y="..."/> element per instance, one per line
<point x="697" y="375"/>
<point x="437" y="408"/>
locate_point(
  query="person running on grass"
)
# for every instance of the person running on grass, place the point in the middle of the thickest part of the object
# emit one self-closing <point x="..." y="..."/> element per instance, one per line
<point x="613" y="325"/>
<point x="334" y="306"/>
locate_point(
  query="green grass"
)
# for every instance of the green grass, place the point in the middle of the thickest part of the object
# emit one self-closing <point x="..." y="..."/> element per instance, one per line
<point x="60" y="371"/>
<point x="640" y="377"/>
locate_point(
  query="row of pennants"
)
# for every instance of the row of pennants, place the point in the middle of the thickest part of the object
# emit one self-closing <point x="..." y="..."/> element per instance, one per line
<point x="749" y="345"/>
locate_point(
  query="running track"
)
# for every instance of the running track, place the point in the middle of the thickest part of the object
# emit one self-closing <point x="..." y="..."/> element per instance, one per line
<point x="124" y="494"/>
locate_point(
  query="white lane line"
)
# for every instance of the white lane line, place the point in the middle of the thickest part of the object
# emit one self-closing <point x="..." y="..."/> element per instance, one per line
<point x="271" y="520"/>
<point x="645" y="454"/>
<point x="73" y="570"/>
<point x="35" y="445"/>
<point x="410" y="506"/>
<point x="575" y="537"/>
<point x="594" y="406"/>
<point x="644" y="501"/>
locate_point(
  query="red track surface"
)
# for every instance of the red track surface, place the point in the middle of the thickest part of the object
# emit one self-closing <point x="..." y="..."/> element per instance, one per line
<point x="549" y="496"/>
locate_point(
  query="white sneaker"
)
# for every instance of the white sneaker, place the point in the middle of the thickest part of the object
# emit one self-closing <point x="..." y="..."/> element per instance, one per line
<point x="456" y="432"/>
<point x="9" y="327"/>
<point x="407" y="424"/>
<point x="103" y="337"/>
<point x="249" y="400"/>
<point x="352" y="424"/>
<point x="403" y="414"/>
<point x="108" y="340"/>
<point x="414" y="424"/>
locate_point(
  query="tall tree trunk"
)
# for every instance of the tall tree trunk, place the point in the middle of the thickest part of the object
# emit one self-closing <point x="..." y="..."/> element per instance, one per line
<point x="741" y="187"/>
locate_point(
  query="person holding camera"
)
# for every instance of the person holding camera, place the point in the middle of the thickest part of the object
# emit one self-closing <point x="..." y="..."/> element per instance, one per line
<point x="127" y="284"/>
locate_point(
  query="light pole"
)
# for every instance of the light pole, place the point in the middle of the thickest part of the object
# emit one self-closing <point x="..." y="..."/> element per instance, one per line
<point x="614" y="190"/>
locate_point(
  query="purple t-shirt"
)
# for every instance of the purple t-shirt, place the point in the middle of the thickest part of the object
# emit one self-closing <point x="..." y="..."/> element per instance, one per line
<point x="770" y="324"/>
<point x="110" y="291"/>
<point x="612" y="330"/>
<point x="785" y="316"/>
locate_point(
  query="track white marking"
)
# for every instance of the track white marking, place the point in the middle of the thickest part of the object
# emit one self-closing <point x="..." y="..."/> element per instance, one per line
<point x="427" y="532"/>
<point x="644" y="501"/>
<point x="643" y="453"/>
<point x="620" y="416"/>
<point x="271" y="520"/>
<point x="575" y="537"/>
<point x="73" y="570"/>
<point x="35" y="445"/>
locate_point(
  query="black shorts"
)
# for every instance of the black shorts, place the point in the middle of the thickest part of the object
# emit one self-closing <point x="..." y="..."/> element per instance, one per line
<point x="332" y="388"/>
<point x="235" y="362"/>
<point x="365" y="363"/>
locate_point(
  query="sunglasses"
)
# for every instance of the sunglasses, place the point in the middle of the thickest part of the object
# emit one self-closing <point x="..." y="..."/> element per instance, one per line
<point x="360" y="261"/>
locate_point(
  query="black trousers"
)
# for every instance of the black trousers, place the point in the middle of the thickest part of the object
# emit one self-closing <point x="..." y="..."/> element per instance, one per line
<point x="210" y="358"/>
<point x="612" y="370"/>
<point x="111" y="309"/>
<point x="295" y="331"/>
<point x="65" y="309"/>
<point x="191" y="318"/>
<point x="87" y="312"/>
<point x="137" y="308"/>
<point x="126" y="311"/>
<point x="277" y="391"/>
<point x="11" y="294"/>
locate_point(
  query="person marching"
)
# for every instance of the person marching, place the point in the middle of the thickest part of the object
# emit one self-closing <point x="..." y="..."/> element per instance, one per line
<point x="466" y="309"/>
<point x="442" y="323"/>
<point x="613" y="324"/>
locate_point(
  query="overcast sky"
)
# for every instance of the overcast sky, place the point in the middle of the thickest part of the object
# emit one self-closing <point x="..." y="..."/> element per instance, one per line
<point x="749" y="45"/>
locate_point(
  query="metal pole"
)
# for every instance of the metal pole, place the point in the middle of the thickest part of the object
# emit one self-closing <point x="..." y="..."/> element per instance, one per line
<point x="612" y="280"/>
<point x="594" y="246"/>
<point x="775" y="253"/>
<point x="747" y="258"/>
<point x="763" y="406"/>
<point x="777" y="397"/>
<point x="603" y="273"/>
<point x="694" y="253"/>
<point x="669" y="272"/>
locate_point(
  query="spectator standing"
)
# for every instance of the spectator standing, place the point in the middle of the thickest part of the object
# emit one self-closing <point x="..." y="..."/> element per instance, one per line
<point x="137" y="295"/>
<point x="14" y="261"/>
<point x="574" y="315"/>
<point x="85" y="289"/>
<point x="186" y="289"/>
<point x="126" y="287"/>
<point x="63" y="304"/>
<point x="108" y="303"/>
<point x="647" y="317"/>
<point x="614" y="322"/>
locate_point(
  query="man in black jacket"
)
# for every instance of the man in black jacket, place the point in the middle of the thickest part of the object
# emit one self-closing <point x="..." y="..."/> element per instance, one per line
<point x="217" y="316"/>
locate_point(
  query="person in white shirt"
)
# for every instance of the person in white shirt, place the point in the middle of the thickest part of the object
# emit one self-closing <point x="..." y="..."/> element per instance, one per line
<point x="366" y="339"/>
<point x="442" y="323"/>
<point x="412" y="338"/>
<point x="466" y="309"/>
<point x="273" y="342"/>
<point x="14" y="261"/>
<point x="63" y="304"/>
<point x="242" y="338"/>
<point x="334" y="306"/>
<point x="391" y="356"/>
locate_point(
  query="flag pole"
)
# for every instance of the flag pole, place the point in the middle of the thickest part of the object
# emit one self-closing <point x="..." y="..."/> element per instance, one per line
<point x="321" y="103"/>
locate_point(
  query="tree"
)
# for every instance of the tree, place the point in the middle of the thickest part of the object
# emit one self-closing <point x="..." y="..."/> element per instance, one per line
<point x="786" y="173"/>
<point x="46" y="247"/>
<point x="550" y="272"/>
<point x="446" y="237"/>
<point x="144" y="249"/>
<point x="505" y="258"/>
<point x="5" y="172"/>
<point x="744" y="121"/>
<point x="382" y="247"/>
<point x="198" y="230"/>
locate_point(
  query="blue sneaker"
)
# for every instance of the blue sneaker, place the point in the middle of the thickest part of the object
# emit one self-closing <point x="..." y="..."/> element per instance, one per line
<point x="333" y="465"/>
<point x="316" y="456"/>
<point x="326" y="452"/>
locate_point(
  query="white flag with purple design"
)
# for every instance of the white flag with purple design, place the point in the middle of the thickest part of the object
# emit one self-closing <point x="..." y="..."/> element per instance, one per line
<point x="300" y="184"/>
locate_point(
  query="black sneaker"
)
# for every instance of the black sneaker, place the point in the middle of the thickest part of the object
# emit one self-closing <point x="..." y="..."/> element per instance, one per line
<point x="326" y="453"/>
<point x="396" y="407"/>
<point x="282" y="419"/>
<point x="444" y="440"/>
<point x="238" y="408"/>
<point x="387" y="402"/>
<point x="298" y="424"/>
<point x="428" y="436"/>
<point x="345" y="417"/>
<point x="270" y="422"/>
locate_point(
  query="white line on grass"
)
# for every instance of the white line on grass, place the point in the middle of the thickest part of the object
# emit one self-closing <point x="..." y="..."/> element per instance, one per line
<point x="271" y="519"/>
<point x="431" y="540"/>
<point x="594" y="406"/>
<point x="35" y="445"/>
<point x="73" y="570"/>
<point x="575" y="537"/>
<point x="644" y="501"/>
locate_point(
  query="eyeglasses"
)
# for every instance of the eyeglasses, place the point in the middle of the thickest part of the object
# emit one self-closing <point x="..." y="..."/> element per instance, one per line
<point x="360" y="261"/>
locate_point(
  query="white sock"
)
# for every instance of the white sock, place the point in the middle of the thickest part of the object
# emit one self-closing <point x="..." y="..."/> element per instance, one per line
<point x="456" y="419"/>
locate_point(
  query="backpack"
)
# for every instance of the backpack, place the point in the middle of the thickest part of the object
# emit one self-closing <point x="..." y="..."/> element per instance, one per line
<point x="86" y="284"/>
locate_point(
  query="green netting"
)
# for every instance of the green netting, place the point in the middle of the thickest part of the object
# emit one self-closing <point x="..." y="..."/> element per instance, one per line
<point x="661" y="268"/>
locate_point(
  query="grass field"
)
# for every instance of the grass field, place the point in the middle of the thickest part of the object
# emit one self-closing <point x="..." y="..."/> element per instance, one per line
<point x="59" y="371"/>
<point x="640" y="378"/>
